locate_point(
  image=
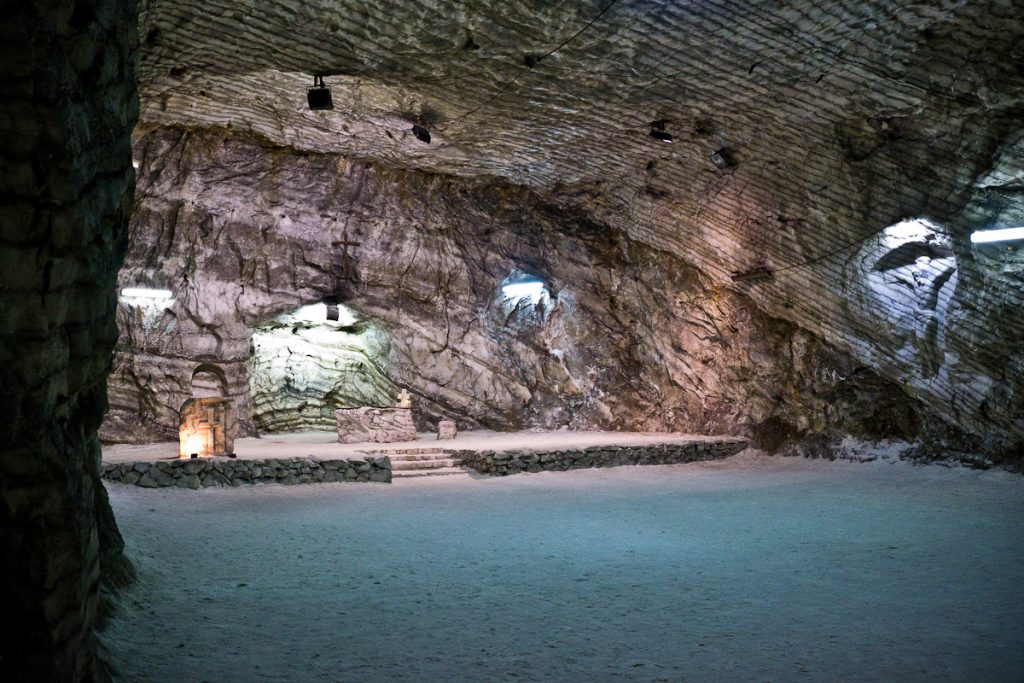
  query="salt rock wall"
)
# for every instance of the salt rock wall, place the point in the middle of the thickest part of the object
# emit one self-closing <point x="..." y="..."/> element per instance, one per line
<point x="67" y="107"/>
<point x="840" y="119"/>
<point x="631" y="337"/>
<point x="301" y="371"/>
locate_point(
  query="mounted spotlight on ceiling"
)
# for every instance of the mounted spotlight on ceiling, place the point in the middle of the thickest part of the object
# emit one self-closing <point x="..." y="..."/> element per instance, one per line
<point x="658" y="131"/>
<point x="421" y="133"/>
<point x="753" y="275"/>
<point x="722" y="158"/>
<point x="319" y="96"/>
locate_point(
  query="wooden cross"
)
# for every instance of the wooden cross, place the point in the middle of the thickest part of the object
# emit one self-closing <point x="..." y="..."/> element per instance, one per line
<point x="345" y="263"/>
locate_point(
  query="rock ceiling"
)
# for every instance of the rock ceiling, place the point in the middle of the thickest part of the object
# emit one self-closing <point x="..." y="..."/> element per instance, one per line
<point x="841" y="119"/>
<point x="815" y="100"/>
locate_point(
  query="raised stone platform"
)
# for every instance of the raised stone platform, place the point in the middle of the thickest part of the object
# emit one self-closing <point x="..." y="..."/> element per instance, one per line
<point x="312" y="457"/>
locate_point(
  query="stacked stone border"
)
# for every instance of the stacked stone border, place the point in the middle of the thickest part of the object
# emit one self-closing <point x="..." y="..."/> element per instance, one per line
<point x="503" y="463"/>
<point x="203" y="472"/>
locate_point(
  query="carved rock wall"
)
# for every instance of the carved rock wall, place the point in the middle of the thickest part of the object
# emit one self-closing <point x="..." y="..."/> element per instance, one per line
<point x="842" y="119"/>
<point x="301" y="371"/>
<point x="631" y="337"/>
<point x="67" y="107"/>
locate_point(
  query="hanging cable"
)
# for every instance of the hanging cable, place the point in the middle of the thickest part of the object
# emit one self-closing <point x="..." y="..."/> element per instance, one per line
<point x="536" y="60"/>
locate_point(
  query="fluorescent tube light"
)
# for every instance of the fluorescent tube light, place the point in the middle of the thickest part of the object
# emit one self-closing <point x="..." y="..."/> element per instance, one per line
<point x="1001" y="235"/>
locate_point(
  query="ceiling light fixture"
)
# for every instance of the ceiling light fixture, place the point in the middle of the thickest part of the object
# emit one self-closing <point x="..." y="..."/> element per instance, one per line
<point x="658" y="131"/>
<point x="533" y="290"/>
<point x="421" y="133"/>
<point x="142" y="293"/>
<point x="1000" y="235"/>
<point x="319" y="96"/>
<point x="722" y="158"/>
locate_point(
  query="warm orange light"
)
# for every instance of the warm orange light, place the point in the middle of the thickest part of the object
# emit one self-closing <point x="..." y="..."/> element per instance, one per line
<point x="192" y="442"/>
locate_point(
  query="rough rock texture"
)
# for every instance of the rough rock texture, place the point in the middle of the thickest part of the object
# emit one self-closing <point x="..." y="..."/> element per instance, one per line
<point x="527" y="460"/>
<point x="227" y="225"/>
<point x="841" y="120"/>
<point x="67" y="107"/>
<point x="301" y="371"/>
<point x="380" y="425"/>
<point x="202" y="472"/>
<point x="633" y="338"/>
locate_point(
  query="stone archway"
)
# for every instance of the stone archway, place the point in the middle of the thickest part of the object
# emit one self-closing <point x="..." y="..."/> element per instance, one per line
<point x="208" y="381"/>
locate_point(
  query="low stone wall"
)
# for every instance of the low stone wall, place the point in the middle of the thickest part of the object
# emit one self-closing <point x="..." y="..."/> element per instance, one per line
<point x="194" y="474"/>
<point x="528" y="460"/>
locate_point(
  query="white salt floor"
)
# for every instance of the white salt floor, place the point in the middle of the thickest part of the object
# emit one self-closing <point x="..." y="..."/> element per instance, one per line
<point x="747" y="569"/>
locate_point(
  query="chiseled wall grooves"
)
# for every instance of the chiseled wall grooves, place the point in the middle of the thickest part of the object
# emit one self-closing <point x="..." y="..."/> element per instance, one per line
<point x="67" y="107"/>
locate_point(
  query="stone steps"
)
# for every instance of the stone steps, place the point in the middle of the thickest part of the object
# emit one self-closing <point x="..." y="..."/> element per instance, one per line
<point x="432" y="450"/>
<point x="424" y="462"/>
<point x="435" y="472"/>
<point x="419" y="457"/>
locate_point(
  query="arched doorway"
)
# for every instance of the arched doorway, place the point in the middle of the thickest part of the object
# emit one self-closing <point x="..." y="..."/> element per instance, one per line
<point x="208" y="381"/>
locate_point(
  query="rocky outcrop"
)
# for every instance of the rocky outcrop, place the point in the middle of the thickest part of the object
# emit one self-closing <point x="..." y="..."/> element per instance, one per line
<point x="628" y="337"/>
<point x="831" y="123"/>
<point x="67" y="107"/>
<point x="301" y="369"/>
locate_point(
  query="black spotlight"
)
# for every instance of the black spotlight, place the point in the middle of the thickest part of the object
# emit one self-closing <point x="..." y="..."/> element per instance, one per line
<point x="319" y="96"/>
<point x="421" y="133"/>
<point x="722" y="158"/>
<point x="658" y="132"/>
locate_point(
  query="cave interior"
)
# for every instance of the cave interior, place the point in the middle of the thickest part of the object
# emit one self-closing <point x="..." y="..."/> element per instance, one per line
<point x="753" y="219"/>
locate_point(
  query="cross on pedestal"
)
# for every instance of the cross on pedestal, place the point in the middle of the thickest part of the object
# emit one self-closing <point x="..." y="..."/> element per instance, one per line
<point x="345" y="243"/>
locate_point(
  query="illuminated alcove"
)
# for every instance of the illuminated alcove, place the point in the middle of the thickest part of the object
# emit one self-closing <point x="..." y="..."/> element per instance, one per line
<point x="523" y="300"/>
<point x="903" y="292"/>
<point x="308" y="363"/>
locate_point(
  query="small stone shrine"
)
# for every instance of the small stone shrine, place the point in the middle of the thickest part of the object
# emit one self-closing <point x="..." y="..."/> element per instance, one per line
<point x="446" y="429"/>
<point x="380" y="425"/>
<point x="206" y="428"/>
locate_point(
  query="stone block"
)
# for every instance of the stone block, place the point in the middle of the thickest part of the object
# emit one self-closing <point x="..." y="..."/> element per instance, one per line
<point x="380" y="425"/>
<point x="446" y="429"/>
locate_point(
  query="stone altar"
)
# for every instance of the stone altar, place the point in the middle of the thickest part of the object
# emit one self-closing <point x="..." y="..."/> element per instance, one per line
<point x="206" y="428"/>
<point x="382" y="425"/>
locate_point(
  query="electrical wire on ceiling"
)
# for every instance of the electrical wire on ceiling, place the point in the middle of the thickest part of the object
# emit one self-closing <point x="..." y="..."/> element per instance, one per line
<point x="797" y="42"/>
<point x="843" y="247"/>
<point x="523" y="69"/>
<point x="835" y="53"/>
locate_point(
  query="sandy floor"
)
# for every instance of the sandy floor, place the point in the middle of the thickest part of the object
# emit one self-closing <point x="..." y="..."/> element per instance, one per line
<point x="325" y="444"/>
<point x="747" y="569"/>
